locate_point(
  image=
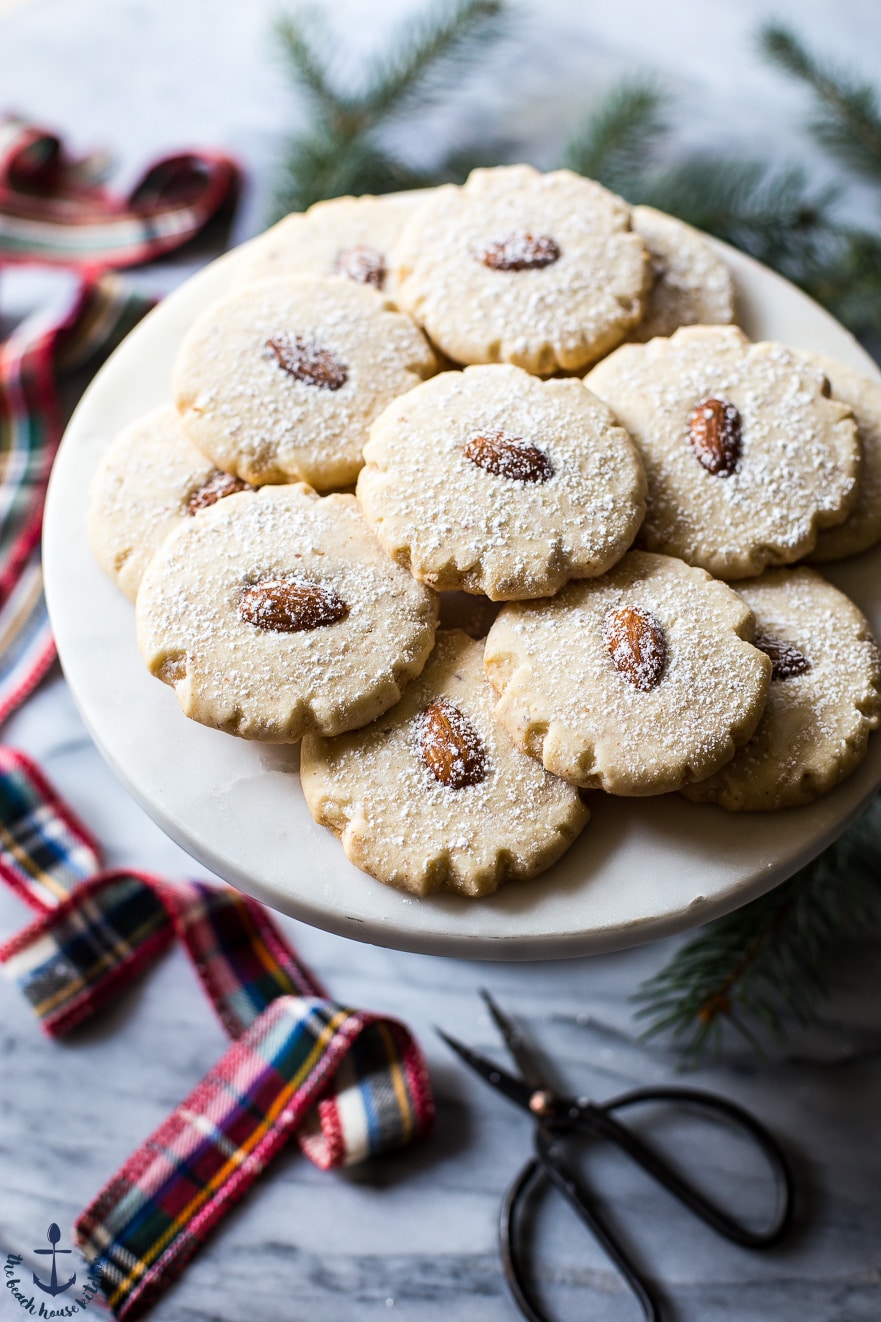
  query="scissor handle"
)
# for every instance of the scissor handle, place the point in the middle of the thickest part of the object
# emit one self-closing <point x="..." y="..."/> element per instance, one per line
<point x="597" y="1118"/>
<point x="549" y="1162"/>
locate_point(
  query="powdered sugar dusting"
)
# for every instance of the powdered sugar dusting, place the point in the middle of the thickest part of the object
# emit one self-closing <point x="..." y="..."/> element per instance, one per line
<point x="271" y="425"/>
<point x="510" y="537"/>
<point x="692" y="284"/>
<point x="564" y="698"/>
<point x="798" y="465"/>
<point x="267" y="684"/>
<point x="399" y="822"/>
<point x="541" y="317"/>
<point x="818" y="718"/>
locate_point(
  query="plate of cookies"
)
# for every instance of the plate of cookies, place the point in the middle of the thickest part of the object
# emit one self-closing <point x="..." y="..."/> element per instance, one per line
<point x="514" y="554"/>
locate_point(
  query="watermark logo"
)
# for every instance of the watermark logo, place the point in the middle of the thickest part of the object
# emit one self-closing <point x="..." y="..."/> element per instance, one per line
<point x="53" y="1234"/>
<point x="77" y="1301"/>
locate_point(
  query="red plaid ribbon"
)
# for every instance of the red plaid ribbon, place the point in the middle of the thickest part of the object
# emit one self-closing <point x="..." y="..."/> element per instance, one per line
<point x="347" y="1084"/>
<point x="54" y="210"/>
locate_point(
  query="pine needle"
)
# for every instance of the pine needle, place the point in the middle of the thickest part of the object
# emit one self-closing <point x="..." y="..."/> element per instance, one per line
<point x="617" y="143"/>
<point x="429" y="54"/>
<point x="342" y="151"/>
<point x="769" y="211"/>
<point x="305" y="44"/>
<point x="847" y="118"/>
<point x="768" y="964"/>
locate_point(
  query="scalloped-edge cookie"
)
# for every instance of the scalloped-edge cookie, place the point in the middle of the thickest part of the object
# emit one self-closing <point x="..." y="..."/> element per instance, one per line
<point x="823" y="703"/>
<point x="635" y="683"/>
<point x="746" y="456"/>
<point x="434" y="796"/>
<point x="351" y="237"/>
<point x="539" y="270"/>
<point x="281" y="380"/>
<point x="529" y="483"/>
<point x="150" y="478"/>
<point x="692" y="285"/>
<point x="862" y="527"/>
<point x="276" y="612"/>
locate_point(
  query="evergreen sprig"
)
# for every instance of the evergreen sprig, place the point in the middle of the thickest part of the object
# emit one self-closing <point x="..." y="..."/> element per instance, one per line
<point x="617" y="143"/>
<point x="847" y="117"/>
<point x="770" y="211"/>
<point x="770" y="962"/>
<point x="343" y="150"/>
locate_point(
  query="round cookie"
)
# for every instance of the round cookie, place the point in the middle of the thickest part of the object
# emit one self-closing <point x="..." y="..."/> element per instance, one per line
<point x="275" y="613"/>
<point x="281" y="380"/>
<point x="862" y="527"/>
<point x="351" y="237"/>
<point x="150" y="478"/>
<point x="746" y="456"/>
<point x="539" y="270"/>
<point x="434" y="795"/>
<point x="635" y="683"/>
<point x="692" y="286"/>
<point x="824" y="697"/>
<point x="528" y="483"/>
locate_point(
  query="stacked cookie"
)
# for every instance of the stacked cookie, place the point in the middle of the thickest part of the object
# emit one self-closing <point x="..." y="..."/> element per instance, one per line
<point x="431" y="349"/>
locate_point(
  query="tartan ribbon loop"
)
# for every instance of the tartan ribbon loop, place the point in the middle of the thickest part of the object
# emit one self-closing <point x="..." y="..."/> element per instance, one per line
<point x="55" y="210"/>
<point x="153" y="1215"/>
<point x="346" y="1083"/>
<point x="45" y="850"/>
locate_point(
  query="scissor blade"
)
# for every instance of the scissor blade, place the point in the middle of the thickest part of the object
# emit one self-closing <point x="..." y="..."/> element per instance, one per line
<point x="520" y="1050"/>
<point x="516" y="1090"/>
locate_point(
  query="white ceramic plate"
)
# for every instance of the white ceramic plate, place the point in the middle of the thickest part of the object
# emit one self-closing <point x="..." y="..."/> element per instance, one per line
<point x="641" y="869"/>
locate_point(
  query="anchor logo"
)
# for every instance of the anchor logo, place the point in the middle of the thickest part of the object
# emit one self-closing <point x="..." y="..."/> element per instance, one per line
<point x="53" y="1234"/>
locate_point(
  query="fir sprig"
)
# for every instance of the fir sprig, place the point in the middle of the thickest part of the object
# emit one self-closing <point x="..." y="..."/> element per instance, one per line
<point x="847" y="117"/>
<point x="343" y="150"/>
<point x="771" y="212"/>
<point x="769" y="963"/>
<point x="617" y="143"/>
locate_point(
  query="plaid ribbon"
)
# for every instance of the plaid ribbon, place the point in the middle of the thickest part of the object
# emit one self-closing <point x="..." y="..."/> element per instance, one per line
<point x="54" y="210"/>
<point x="347" y="1084"/>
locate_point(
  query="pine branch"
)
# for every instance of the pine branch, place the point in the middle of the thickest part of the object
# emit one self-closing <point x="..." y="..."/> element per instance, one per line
<point x="342" y="152"/>
<point x="768" y="963"/>
<point x="323" y="164"/>
<point x="617" y="143"/>
<point x="848" y="118"/>
<point x="769" y="211"/>
<point x="430" y="53"/>
<point x="304" y="44"/>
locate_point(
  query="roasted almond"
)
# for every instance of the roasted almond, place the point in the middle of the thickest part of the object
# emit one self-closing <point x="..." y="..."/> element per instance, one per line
<point x="308" y="361"/>
<point x="290" y="605"/>
<point x="508" y="456"/>
<point x="361" y="263"/>
<point x="216" y="485"/>
<point x="521" y="251"/>
<point x="637" y="645"/>
<point x="450" y="746"/>
<point x="786" y="660"/>
<point x="714" y="432"/>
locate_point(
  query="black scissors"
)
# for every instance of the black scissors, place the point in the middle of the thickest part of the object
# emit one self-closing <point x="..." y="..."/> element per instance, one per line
<point x="558" y="1118"/>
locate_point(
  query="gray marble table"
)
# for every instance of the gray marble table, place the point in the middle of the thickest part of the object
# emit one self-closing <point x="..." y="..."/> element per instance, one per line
<point x="413" y="1236"/>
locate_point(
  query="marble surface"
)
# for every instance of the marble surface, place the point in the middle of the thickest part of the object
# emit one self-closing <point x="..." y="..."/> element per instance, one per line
<point x="414" y="1236"/>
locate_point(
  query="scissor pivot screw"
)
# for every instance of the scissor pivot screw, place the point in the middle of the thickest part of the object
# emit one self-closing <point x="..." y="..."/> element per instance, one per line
<point x="542" y="1103"/>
